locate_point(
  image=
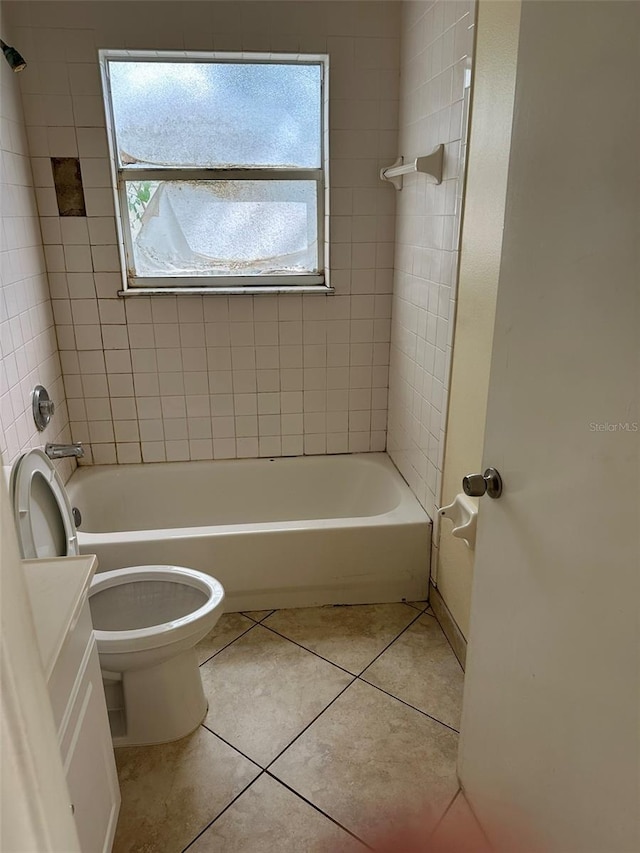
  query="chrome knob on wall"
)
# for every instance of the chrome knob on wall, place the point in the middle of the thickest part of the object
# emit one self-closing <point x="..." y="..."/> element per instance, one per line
<point x="476" y="485"/>
<point x="42" y="406"/>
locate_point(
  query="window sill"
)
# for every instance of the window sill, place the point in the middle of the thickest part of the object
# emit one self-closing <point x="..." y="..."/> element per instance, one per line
<point x="244" y="290"/>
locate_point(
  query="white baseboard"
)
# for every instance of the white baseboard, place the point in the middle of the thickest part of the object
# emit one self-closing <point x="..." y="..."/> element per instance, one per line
<point x="448" y="625"/>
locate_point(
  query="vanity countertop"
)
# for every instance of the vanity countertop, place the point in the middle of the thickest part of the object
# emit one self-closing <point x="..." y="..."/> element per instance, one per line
<point x="57" y="589"/>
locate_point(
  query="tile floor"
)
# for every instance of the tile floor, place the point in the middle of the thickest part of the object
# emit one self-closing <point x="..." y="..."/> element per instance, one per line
<point x="327" y="729"/>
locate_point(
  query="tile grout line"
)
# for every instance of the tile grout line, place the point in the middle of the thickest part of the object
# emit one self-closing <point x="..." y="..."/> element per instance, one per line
<point x="354" y="677"/>
<point x="310" y="723"/>
<point x="359" y="675"/>
<point x="475" y="817"/>
<point x="230" y="643"/>
<point x="257" y="621"/>
<point x="226" y="646"/>
<point x="228" y="806"/>
<point x="446" y="811"/>
<point x="406" y="628"/>
<point x="409" y="705"/>
<point x="422" y="610"/>
<point x="229" y="744"/>
<point x="351" y="683"/>
<point x="320" y="713"/>
<point x="333" y="663"/>
<point x="289" y="788"/>
<point x="311" y="652"/>
<point x="317" y="808"/>
<point x="382" y="690"/>
<point x="265" y="770"/>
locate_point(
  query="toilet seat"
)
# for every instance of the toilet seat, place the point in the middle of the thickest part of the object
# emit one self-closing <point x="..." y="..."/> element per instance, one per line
<point x="152" y="616"/>
<point x="142" y="607"/>
<point x="46" y="528"/>
<point x="42" y="509"/>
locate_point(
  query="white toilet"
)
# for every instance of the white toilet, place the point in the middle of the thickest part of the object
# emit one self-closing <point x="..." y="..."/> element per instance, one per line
<point x="147" y="619"/>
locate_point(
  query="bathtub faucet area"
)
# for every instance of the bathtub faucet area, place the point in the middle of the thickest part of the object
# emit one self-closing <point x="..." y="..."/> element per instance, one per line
<point x="60" y="451"/>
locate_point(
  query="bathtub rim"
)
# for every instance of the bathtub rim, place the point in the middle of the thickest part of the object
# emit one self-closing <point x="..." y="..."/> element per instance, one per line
<point x="407" y="511"/>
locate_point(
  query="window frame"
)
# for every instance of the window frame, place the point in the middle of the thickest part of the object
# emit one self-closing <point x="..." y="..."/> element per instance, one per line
<point x="134" y="285"/>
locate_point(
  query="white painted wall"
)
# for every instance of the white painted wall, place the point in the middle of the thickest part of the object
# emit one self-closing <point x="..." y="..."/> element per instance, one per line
<point x="481" y="245"/>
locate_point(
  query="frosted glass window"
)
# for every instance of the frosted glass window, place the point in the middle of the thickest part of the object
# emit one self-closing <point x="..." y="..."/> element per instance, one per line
<point x="220" y="167"/>
<point x="223" y="228"/>
<point x="217" y="114"/>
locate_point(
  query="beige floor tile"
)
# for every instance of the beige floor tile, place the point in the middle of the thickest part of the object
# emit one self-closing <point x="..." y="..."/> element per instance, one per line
<point x="268" y="818"/>
<point x="257" y="615"/>
<point x="228" y="628"/>
<point x="420" y="668"/>
<point x="263" y="690"/>
<point x="372" y="763"/>
<point x="348" y="636"/>
<point x="459" y="830"/>
<point x="172" y="791"/>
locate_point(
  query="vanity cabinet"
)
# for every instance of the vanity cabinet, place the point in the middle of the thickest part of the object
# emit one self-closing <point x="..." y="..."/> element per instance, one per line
<point x="86" y="748"/>
<point x="77" y="698"/>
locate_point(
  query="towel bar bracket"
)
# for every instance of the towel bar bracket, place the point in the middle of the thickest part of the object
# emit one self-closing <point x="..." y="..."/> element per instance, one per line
<point x="430" y="164"/>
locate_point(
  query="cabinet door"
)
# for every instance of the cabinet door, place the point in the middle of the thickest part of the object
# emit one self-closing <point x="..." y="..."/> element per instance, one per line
<point x="89" y="763"/>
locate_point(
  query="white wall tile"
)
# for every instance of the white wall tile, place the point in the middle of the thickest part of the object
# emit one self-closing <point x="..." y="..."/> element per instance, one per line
<point x="437" y="40"/>
<point x="236" y="349"/>
<point x="28" y="348"/>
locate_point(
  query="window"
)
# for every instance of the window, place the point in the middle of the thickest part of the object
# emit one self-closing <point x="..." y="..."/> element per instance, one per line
<point x="220" y="167"/>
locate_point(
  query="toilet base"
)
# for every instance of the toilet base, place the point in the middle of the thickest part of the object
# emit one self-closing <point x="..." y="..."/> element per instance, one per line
<point x="156" y="705"/>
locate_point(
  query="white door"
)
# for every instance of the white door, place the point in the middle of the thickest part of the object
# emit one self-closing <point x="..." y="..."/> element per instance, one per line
<point x="551" y="725"/>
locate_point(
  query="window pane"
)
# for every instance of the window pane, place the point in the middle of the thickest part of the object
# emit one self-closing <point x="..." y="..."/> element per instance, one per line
<point x="217" y="114"/>
<point x="223" y="228"/>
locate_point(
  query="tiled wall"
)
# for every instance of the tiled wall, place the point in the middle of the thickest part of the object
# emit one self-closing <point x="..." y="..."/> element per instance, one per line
<point x="199" y="378"/>
<point x="28" y="351"/>
<point x="437" y="43"/>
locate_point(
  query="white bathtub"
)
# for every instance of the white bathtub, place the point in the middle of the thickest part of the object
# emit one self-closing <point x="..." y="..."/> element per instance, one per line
<point x="275" y="532"/>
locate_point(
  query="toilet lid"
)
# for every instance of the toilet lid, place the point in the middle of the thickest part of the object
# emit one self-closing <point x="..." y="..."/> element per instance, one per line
<point x="42" y="509"/>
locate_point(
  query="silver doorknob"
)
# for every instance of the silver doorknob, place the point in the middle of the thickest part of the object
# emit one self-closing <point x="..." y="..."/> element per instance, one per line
<point x="476" y="485"/>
